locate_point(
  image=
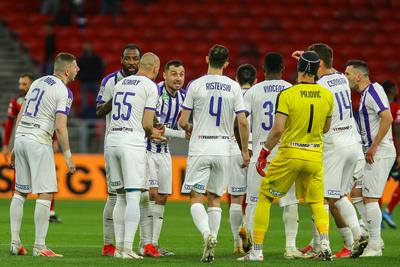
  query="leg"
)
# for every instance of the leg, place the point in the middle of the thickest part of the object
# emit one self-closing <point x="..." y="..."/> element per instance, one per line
<point x="132" y="217"/>
<point x="108" y="226"/>
<point x="119" y="223"/>
<point x="236" y="219"/>
<point x="387" y="214"/>
<point x="261" y="223"/>
<point x="16" y="214"/>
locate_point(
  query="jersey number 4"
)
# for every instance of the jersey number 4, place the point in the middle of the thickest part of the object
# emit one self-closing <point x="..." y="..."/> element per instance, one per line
<point x="117" y="114"/>
<point x="217" y="113"/>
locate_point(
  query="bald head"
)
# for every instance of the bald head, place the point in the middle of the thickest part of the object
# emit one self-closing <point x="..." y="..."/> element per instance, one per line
<point x="149" y="65"/>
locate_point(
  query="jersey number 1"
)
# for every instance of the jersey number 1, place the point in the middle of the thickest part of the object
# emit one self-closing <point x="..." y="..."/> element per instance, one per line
<point x="310" y="122"/>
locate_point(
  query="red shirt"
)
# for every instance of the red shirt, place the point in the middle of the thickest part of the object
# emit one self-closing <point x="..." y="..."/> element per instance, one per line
<point x="395" y="110"/>
<point x="13" y="109"/>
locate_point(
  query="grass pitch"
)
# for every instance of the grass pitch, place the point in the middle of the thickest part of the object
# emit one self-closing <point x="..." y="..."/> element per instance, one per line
<point x="79" y="239"/>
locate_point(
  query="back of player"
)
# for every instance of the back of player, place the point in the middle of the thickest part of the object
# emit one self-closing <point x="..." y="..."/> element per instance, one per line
<point x="339" y="163"/>
<point x="214" y="100"/>
<point x="46" y="96"/>
<point x="125" y="139"/>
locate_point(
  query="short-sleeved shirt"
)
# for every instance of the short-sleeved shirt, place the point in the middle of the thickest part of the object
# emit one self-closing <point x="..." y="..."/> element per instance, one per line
<point x="15" y="106"/>
<point x="132" y="95"/>
<point x="214" y="100"/>
<point x="46" y="97"/>
<point x="307" y="106"/>
<point x="373" y="102"/>
<point x="235" y="150"/>
<point x="107" y="89"/>
<point x="260" y="102"/>
<point x="342" y="131"/>
<point x="168" y="109"/>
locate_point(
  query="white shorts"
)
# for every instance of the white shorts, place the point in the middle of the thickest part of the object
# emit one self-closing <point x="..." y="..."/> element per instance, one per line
<point x="339" y="166"/>
<point x="253" y="183"/>
<point x="206" y="173"/>
<point x="358" y="175"/>
<point x="290" y="197"/>
<point x="127" y="167"/>
<point x="35" y="170"/>
<point x="159" y="172"/>
<point x="237" y="176"/>
<point x="375" y="177"/>
<point x="108" y="180"/>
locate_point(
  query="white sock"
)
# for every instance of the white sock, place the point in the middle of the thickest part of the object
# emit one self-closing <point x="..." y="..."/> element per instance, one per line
<point x="119" y="220"/>
<point x="349" y="216"/>
<point x="249" y="222"/>
<point x="291" y="220"/>
<point x="214" y="220"/>
<point x="360" y="206"/>
<point x="132" y="218"/>
<point x="347" y="236"/>
<point x="146" y="220"/>
<point x="158" y="219"/>
<point x="200" y="219"/>
<point x="108" y="224"/>
<point x="42" y="214"/>
<point x="236" y="219"/>
<point x="16" y="214"/>
<point x="374" y="220"/>
<point x="316" y="240"/>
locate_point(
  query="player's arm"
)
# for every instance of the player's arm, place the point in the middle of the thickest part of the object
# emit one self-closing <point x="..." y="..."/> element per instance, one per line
<point x="174" y="133"/>
<point x="16" y="127"/>
<point x="327" y="125"/>
<point x="396" y="131"/>
<point x="7" y="135"/>
<point x="276" y="132"/>
<point x="63" y="139"/>
<point x="104" y="109"/>
<point x="184" y="120"/>
<point x="243" y="126"/>
<point x="384" y="126"/>
<point x="148" y="122"/>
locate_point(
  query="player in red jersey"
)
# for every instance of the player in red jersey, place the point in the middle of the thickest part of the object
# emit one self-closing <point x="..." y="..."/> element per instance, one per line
<point x="24" y="82"/>
<point x="392" y="93"/>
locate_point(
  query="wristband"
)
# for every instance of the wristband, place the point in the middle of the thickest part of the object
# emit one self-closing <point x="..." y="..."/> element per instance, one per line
<point x="67" y="154"/>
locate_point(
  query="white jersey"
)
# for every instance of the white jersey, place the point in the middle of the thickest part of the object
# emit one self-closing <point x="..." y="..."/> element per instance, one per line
<point x="168" y="109"/>
<point x="107" y="89"/>
<point x="46" y="97"/>
<point x="213" y="99"/>
<point x="260" y="102"/>
<point x="342" y="131"/>
<point x="235" y="150"/>
<point x="373" y="101"/>
<point x="132" y="95"/>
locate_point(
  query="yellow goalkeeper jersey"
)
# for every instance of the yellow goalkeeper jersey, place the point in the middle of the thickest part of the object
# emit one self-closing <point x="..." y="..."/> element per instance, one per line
<point x="307" y="106"/>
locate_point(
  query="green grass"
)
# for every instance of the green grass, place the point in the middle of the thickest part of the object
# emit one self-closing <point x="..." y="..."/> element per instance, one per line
<point x="79" y="238"/>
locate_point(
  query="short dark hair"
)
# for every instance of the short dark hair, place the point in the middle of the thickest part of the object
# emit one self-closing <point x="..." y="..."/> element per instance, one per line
<point x="388" y="86"/>
<point x="273" y="63"/>
<point x="28" y="75"/>
<point x="360" y="65"/>
<point x="131" y="46"/>
<point x="325" y="53"/>
<point x="246" y="73"/>
<point x="175" y="63"/>
<point x="61" y="59"/>
<point x="218" y="56"/>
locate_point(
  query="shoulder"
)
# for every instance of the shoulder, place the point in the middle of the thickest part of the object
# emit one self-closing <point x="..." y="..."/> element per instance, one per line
<point x="109" y="77"/>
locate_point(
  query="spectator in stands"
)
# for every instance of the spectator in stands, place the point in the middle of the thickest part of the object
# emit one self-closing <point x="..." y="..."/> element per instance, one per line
<point x="50" y="7"/>
<point x="90" y="74"/>
<point x="50" y="48"/>
<point x="110" y="6"/>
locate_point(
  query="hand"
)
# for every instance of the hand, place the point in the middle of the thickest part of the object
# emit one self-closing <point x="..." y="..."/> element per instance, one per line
<point x="70" y="165"/>
<point x="6" y="153"/>
<point x="246" y="159"/>
<point x="262" y="161"/>
<point x="297" y="54"/>
<point x="369" y="156"/>
<point x="156" y="135"/>
<point x="188" y="135"/>
<point x="161" y="127"/>
<point x="12" y="163"/>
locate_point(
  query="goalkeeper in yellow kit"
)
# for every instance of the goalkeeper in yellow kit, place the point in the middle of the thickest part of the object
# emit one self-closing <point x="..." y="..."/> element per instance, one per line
<point x="303" y="114"/>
